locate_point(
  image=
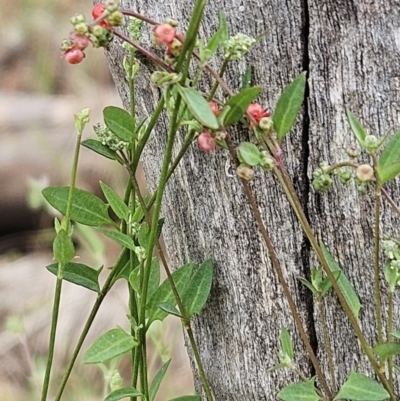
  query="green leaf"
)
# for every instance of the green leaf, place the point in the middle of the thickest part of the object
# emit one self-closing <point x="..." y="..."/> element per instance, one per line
<point x="79" y="274"/>
<point x="170" y="309"/>
<point x="223" y="26"/>
<point x="198" y="106"/>
<point x="343" y="282"/>
<point x="155" y="384"/>
<point x="239" y="103"/>
<point x="198" y="290"/>
<point x="299" y="392"/>
<point x="389" y="172"/>
<point x="63" y="247"/>
<point x="326" y="283"/>
<point x="123" y="393"/>
<point x="187" y="398"/>
<point x="288" y="106"/>
<point x="120" y="238"/>
<point x="246" y="80"/>
<point x="111" y="344"/>
<point x="164" y="292"/>
<point x="356" y="127"/>
<point x="249" y="154"/>
<point x="214" y="42"/>
<point x="120" y="123"/>
<point x="387" y="350"/>
<point x="308" y="285"/>
<point x="154" y="278"/>
<point x="286" y="343"/>
<point x="391" y="153"/>
<point x="396" y="334"/>
<point x="87" y="208"/>
<point x="143" y="235"/>
<point x="99" y="148"/>
<point x="361" y="388"/>
<point x="117" y="204"/>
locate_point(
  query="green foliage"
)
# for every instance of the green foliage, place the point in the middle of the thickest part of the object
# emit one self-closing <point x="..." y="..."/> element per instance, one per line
<point x="239" y="103"/>
<point x="359" y="387"/>
<point x="155" y="385"/>
<point x="299" y="392"/>
<point x="63" y="248"/>
<point x="111" y="344"/>
<point x="98" y="147"/>
<point x="198" y="106"/>
<point x="344" y="284"/>
<point x="79" y="274"/>
<point x="198" y="289"/>
<point x="87" y="208"/>
<point x="288" y="106"/>
<point x="120" y="123"/>
<point x="117" y="204"/>
<point x="123" y="393"/>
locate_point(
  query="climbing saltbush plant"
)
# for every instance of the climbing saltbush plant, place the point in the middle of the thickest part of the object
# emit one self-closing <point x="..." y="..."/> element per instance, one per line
<point x="135" y="223"/>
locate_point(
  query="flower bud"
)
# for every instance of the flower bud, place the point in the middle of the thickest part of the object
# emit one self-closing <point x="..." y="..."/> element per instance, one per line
<point x="345" y="177"/>
<point x="81" y="28"/>
<point x="245" y="172"/>
<point x="65" y="45"/>
<point x="206" y="142"/>
<point x="77" y="19"/>
<point x="111" y="5"/>
<point x="265" y="123"/>
<point x="364" y="172"/>
<point x="352" y="152"/>
<point x="116" y="18"/>
<point x="163" y="34"/>
<point x="74" y="55"/>
<point x="79" y="41"/>
<point x="170" y="21"/>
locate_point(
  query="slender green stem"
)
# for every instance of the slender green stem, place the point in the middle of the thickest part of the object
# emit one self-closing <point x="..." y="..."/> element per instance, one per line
<point x="389" y="336"/>
<point x="60" y="273"/>
<point x="153" y="120"/>
<point x="118" y="266"/>
<point x="327" y="343"/>
<point x="287" y="185"/>
<point x="391" y="201"/>
<point x="377" y="290"/>
<point x="276" y="264"/>
<point x="174" y="165"/>
<point x="185" y="319"/>
<point x="53" y="330"/>
<point x="220" y="74"/>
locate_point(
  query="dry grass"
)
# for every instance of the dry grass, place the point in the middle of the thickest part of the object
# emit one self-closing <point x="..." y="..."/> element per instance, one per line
<point x="39" y="94"/>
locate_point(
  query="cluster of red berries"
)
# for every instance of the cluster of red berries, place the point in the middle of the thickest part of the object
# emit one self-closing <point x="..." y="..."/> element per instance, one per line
<point x="260" y="115"/>
<point x="165" y="34"/>
<point x="206" y="140"/>
<point x="99" y="34"/>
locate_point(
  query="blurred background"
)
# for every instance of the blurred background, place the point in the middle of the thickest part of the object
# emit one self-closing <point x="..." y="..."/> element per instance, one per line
<point x="39" y="95"/>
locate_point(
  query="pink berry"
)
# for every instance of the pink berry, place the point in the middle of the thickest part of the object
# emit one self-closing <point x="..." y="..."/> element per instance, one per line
<point x="74" y="55"/>
<point x="164" y="34"/>
<point x="206" y="142"/>
<point x="257" y="112"/>
<point x="97" y="12"/>
<point x="79" y="41"/>
<point x="214" y="107"/>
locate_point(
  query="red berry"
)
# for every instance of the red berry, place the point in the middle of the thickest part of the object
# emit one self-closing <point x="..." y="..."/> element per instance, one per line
<point x="97" y="12"/>
<point x="74" y="55"/>
<point x="79" y="41"/>
<point x="257" y="112"/>
<point x="164" y="34"/>
<point x="214" y="107"/>
<point x="206" y="142"/>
